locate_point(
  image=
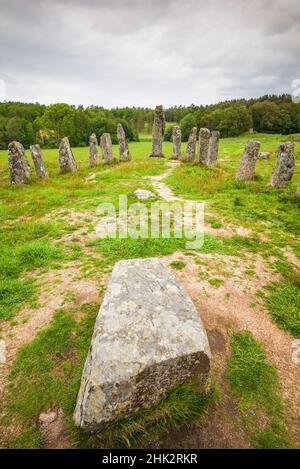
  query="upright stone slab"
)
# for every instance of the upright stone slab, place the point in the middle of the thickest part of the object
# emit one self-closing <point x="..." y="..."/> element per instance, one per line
<point x="204" y="136"/>
<point x="106" y="148"/>
<point x="124" y="153"/>
<point x="20" y="171"/>
<point x="67" y="161"/>
<point x="176" y="137"/>
<point x="246" y="170"/>
<point x="93" y="151"/>
<point x="191" y="145"/>
<point x="158" y="131"/>
<point x="213" y="148"/>
<point x="284" y="169"/>
<point x="38" y="161"/>
<point x="148" y="338"/>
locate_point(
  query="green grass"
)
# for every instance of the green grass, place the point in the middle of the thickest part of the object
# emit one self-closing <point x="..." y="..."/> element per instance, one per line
<point x="182" y="405"/>
<point x="283" y="303"/>
<point x="216" y="282"/>
<point x="178" y="264"/>
<point x="255" y="382"/>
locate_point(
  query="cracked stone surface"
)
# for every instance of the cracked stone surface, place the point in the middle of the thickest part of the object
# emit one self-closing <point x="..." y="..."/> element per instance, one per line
<point x="38" y="161"/>
<point x="284" y="169"/>
<point x="158" y="131"/>
<point x="67" y="161"/>
<point x="148" y="338"/>
<point x="191" y="145"/>
<point x="124" y="153"/>
<point x="106" y="148"/>
<point x="93" y="150"/>
<point x="204" y="138"/>
<point x="246" y="171"/>
<point x="176" y="137"/>
<point x="20" y="171"/>
<point x="213" y="149"/>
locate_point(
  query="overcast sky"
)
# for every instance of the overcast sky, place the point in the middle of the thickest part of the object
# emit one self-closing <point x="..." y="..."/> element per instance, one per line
<point x="146" y="52"/>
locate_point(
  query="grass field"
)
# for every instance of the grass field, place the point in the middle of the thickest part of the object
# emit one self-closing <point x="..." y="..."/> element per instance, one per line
<point x="53" y="272"/>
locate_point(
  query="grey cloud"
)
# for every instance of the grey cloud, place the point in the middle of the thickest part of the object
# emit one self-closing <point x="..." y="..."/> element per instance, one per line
<point x="130" y="52"/>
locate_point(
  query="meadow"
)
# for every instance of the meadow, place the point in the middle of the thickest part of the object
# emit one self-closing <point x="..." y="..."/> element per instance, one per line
<point x="54" y="271"/>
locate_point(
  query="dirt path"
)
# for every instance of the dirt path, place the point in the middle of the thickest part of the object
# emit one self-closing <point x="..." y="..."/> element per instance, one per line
<point x="166" y="193"/>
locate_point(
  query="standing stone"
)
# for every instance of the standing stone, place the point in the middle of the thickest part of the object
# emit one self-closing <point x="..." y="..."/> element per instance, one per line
<point x="148" y="338"/>
<point x="66" y="158"/>
<point x="124" y="153"/>
<point x="204" y="136"/>
<point x="284" y="169"/>
<point x="38" y="161"/>
<point x="246" y="170"/>
<point x="158" y="131"/>
<point x="176" y="137"/>
<point x="213" y="148"/>
<point x="20" y="171"/>
<point x="106" y="148"/>
<point x="191" y="145"/>
<point x="93" y="152"/>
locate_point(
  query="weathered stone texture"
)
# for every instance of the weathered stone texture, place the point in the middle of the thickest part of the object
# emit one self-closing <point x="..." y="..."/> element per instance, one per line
<point x="213" y="149"/>
<point x="204" y="136"/>
<point x="67" y="161"/>
<point x="148" y="338"/>
<point x="38" y="161"/>
<point x="93" y="150"/>
<point x="106" y="148"/>
<point x="191" y="145"/>
<point x="20" y="171"/>
<point x="284" y="169"/>
<point x="246" y="170"/>
<point x="176" y="137"/>
<point x="158" y="131"/>
<point x="124" y="153"/>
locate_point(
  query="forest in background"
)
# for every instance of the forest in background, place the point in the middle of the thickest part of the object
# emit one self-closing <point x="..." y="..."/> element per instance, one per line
<point x="31" y="123"/>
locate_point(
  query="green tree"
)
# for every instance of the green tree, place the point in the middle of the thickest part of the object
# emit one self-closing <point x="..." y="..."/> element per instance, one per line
<point x="186" y="125"/>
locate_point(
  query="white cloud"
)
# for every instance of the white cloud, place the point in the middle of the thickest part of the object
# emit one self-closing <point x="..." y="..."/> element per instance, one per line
<point x="128" y="52"/>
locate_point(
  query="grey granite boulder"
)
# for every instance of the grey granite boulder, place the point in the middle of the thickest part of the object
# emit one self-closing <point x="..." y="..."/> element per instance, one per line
<point x="106" y="148"/>
<point x="148" y="338"/>
<point x="284" y="169"/>
<point x="38" y="161"/>
<point x="204" y="139"/>
<point x="20" y="171"/>
<point x="93" y="150"/>
<point x="191" y="145"/>
<point x="176" y="137"/>
<point x="67" y="161"/>
<point x="246" y="170"/>
<point x="124" y="153"/>
<point x="213" y="149"/>
<point x="158" y="131"/>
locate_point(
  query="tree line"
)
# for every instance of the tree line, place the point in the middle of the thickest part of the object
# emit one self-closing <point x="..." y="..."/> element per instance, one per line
<point x="46" y="125"/>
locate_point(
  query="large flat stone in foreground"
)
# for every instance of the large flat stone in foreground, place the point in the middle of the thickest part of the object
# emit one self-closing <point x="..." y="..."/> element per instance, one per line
<point x="148" y="338"/>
